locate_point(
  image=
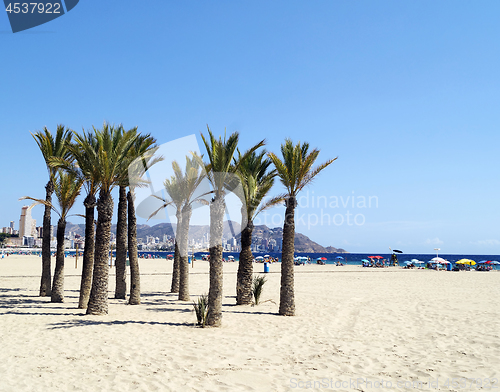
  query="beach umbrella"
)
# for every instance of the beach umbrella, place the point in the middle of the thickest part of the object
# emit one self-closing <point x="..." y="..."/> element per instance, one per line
<point x="259" y="258"/>
<point x="397" y="251"/>
<point x="267" y="256"/>
<point x="366" y="261"/>
<point x="494" y="262"/>
<point x="339" y="258"/>
<point x="438" y="260"/>
<point x="377" y="257"/>
<point x="416" y="261"/>
<point x="466" y="261"/>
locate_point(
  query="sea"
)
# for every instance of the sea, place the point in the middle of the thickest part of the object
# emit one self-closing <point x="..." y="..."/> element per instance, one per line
<point x="331" y="258"/>
<point x="350" y="258"/>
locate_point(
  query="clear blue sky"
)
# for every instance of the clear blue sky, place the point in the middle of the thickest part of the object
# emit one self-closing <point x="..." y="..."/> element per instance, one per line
<point x="406" y="94"/>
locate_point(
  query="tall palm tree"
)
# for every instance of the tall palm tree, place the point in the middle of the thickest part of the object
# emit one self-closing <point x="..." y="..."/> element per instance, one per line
<point x="295" y="171"/>
<point x="112" y="161"/>
<point x="122" y="234"/>
<point x="256" y="180"/>
<point x="50" y="146"/>
<point x="220" y="173"/>
<point x="182" y="189"/>
<point x="141" y="156"/>
<point x="67" y="187"/>
<point x="85" y="150"/>
<point x="176" y="199"/>
<point x="121" y="245"/>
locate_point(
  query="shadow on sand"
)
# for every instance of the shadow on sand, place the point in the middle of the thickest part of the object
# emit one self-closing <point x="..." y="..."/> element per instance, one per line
<point x="89" y="322"/>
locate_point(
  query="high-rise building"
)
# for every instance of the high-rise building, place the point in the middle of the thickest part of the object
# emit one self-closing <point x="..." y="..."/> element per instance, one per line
<point x="27" y="225"/>
<point x="12" y="225"/>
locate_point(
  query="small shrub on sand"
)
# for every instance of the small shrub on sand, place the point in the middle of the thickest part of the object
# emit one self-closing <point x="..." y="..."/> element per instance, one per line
<point x="201" y="309"/>
<point x="257" y="286"/>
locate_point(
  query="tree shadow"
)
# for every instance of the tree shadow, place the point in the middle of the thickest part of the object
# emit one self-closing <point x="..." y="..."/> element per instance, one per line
<point x="88" y="322"/>
<point x="30" y="313"/>
<point x="160" y="310"/>
<point x="241" y="309"/>
<point x="247" y="312"/>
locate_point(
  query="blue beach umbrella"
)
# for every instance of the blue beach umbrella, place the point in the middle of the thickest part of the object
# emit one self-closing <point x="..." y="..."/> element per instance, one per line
<point x="339" y="257"/>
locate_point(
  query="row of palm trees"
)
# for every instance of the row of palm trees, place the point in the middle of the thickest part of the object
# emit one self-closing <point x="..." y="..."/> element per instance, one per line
<point x="100" y="161"/>
<point x="227" y="169"/>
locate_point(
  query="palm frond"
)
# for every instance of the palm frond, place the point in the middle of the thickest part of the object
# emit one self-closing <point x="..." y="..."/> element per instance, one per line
<point x="295" y="170"/>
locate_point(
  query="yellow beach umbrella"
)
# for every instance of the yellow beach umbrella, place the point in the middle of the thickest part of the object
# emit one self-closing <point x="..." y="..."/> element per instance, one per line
<point x="466" y="261"/>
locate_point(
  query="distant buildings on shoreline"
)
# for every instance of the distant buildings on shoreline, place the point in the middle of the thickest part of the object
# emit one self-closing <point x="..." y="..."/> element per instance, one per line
<point x="29" y="235"/>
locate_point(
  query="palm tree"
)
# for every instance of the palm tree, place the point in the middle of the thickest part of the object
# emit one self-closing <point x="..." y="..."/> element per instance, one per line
<point x="182" y="189"/>
<point x="141" y="157"/>
<point x="176" y="199"/>
<point x="85" y="151"/>
<point x="256" y="181"/>
<point x="121" y="245"/>
<point x="50" y="146"/>
<point x="111" y="161"/>
<point x="220" y="173"/>
<point x="295" y="171"/>
<point x="67" y="187"/>
<point x="121" y="235"/>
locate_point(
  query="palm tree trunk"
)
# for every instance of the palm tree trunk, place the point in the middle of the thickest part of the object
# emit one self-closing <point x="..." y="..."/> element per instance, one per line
<point x="135" y="278"/>
<point x="121" y="246"/>
<point x="45" y="288"/>
<point x="245" y="268"/>
<point x="287" y="297"/>
<point x="174" y="288"/>
<point x="217" y="208"/>
<point x="184" y="253"/>
<point x="58" y="284"/>
<point x="88" y="253"/>
<point x="98" y="302"/>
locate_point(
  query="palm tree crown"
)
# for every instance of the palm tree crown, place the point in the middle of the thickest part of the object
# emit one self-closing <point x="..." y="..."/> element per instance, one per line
<point x="295" y="170"/>
<point x="54" y="147"/>
<point x="256" y="180"/>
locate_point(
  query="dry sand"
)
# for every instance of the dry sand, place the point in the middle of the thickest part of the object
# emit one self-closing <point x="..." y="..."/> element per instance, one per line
<point x="392" y="327"/>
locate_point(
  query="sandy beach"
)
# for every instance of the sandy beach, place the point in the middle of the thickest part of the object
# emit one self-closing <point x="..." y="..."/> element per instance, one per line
<point x="356" y="329"/>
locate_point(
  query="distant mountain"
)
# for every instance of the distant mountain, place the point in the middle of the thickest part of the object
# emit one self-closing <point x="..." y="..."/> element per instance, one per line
<point x="198" y="232"/>
<point x="302" y="242"/>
